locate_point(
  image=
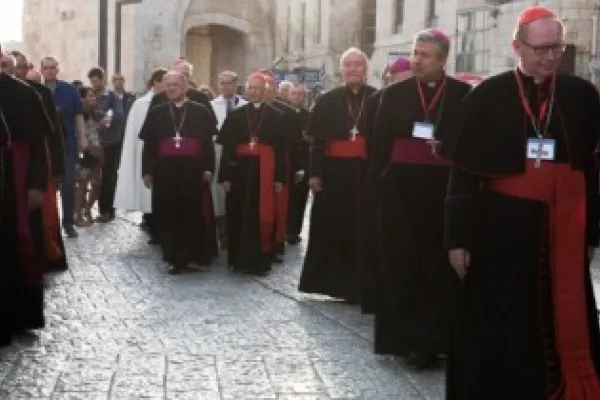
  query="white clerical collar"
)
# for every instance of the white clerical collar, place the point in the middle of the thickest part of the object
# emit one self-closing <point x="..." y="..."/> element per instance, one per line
<point x="257" y="105"/>
<point x="536" y="80"/>
<point x="180" y="104"/>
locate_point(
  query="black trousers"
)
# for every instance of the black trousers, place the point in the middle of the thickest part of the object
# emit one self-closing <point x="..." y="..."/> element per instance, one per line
<point x="297" y="206"/>
<point x="112" y="157"/>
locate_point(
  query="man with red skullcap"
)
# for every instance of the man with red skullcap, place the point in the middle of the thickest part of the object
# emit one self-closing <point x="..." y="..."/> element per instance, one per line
<point x="23" y="181"/>
<point x="414" y="117"/>
<point x="338" y="162"/>
<point x="522" y="222"/>
<point x="252" y="171"/>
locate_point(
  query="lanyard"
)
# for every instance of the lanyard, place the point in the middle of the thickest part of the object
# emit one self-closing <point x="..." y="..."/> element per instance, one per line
<point x="355" y="119"/>
<point x="254" y="129"/>
<point x="427" y="108"/>
<point x="545" y="108"/>
<point x="175" y="128"/>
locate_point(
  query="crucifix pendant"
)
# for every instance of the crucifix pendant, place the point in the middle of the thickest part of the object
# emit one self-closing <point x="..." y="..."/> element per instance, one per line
<point x="538" y="159"/>
<point x="353" y="133"/>
<point x="252" y="143"/>
<point x="177" y="140"/>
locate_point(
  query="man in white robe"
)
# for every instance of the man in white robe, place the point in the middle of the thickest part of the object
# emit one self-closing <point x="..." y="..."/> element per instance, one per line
<point x="225" y="102"/>
<point x="131" y="194"/>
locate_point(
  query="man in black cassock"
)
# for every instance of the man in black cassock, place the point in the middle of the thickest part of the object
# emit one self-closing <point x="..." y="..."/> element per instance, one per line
<point x="23" y="180"/>
<point x="413" y="318"/>
<point x="185" y="68"/>
<point x="522" y="222"/>
<point x="338" y="162"/>
<point x="397" y="71"/>
<point x="299" y="156"/>
<point x="252" y="171"/>
<point x="178" y="162"/>
<point x="54" y="248"/>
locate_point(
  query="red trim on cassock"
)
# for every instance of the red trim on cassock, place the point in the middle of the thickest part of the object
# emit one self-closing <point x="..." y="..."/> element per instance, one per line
<point x="29" y="257"/>
<point x="266" y="211"/>
<point x="563" y="190"/>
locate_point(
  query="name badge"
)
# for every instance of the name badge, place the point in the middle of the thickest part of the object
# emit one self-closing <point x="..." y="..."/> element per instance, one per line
<point x="541" y="149"/>
<point x="423" y="130"/>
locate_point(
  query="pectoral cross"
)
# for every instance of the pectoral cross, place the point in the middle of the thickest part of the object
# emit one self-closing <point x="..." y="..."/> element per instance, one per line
<point x="252" y="143"/>
<point x="177" y="140"/>
<point x="433" y="143"/>
<point x="353" y="133"/>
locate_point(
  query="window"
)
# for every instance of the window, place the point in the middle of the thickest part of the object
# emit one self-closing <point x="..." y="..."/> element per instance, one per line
<point x="288" y="25"/>
<point x="473" y="42"/>
<point x="319" y="22"/>
<point x="398" y="16"/>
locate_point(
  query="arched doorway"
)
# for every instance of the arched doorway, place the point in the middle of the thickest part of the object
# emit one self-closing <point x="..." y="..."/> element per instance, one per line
<point x="213" y="48"/>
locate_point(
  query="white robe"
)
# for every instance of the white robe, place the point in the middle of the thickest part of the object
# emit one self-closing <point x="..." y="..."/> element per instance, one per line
<point x="131" y="194"/>
<point x="219" y="106"/>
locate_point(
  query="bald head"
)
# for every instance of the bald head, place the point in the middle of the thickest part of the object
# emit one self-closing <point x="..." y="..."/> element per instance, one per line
<point x="176" y="85"/>
<point x="284" y="89"/>
<point x="354" y="65"/>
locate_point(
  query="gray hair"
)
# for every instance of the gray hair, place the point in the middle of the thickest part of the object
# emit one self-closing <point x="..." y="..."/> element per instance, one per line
<point x="354" y="50"/>
<point x="520" y="32"/>
<point x="437" y="37"/>
<point x="285" y="85"/>
<point x="229" y="74"/>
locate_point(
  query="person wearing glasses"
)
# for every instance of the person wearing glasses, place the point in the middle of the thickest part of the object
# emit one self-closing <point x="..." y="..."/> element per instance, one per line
<point x="522" y="223"/>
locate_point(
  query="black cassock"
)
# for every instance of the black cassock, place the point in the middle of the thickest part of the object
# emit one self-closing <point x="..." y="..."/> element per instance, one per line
<point x="413" y="308"/>
<point x="253" y="159"/>
<point x="331" y="265"/>
<point x="505" y="344"/>
<point x="23" y="166"/>
<point x="181" y="200"/>
<point x="299" y="162"/>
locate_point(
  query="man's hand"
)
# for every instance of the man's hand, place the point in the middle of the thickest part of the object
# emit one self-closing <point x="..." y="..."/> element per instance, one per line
<point x="460" y="259"/>
<point x="83" y="144"/>
<point x="226" y="186"/>
<point x="147" y="181"/>
<point x="208" y="176"/>
<point x="278" y="187"/>
<point x="35" y="199"/>
<point x="314" y="184"/>
<point x="299" y="177"/>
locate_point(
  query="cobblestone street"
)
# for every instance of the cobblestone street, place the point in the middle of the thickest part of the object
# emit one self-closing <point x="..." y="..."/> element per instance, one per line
<point x="119" y="327"/>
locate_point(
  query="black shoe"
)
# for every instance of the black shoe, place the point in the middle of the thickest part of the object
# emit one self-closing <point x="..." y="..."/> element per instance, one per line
<point x="423" y="361"/>
<point x="277" y="260"/>
<point x="153" y="241"/>
<point x="175" y="269"/>
<point x="70" y="232"/>
<point x="280" y="249"/>
<point x="293" y="240"/>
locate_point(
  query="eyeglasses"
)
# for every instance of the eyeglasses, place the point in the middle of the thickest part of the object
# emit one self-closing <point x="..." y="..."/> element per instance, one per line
<point x="542" y="51"/>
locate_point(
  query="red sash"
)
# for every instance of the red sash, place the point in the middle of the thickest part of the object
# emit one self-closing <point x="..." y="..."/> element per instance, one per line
<point x="266" y="192"/>
<point x="415" y="151"/>
<point x="356" y="148"/>
<point x="564" y="191"/>
<point x="180" y="147"/>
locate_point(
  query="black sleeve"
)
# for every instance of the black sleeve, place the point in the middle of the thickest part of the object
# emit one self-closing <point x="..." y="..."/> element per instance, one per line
<point x="210" y="131"/>
<point x="316" y="128"/>
<point x="149" y="151"/>
<point x="55" y="136"/>
<point x="461" y="209"/>
<point x="382" y="135"/>
<point x="225" y="139"/>
<point x="280" y="147"/>
<point x="35" y="122"/>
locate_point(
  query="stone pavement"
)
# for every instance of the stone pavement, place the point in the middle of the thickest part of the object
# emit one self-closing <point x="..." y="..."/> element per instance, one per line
<point x="119" y="327"/>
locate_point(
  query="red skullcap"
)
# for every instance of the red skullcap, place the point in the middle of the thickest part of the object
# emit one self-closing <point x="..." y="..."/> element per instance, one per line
<point x="534" y="13"/>
<point x="257" y="76"/>
<point x="440" y="35"/>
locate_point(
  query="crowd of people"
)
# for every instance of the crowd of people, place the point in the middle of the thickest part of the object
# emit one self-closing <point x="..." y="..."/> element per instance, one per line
<point x="464" y="217"/>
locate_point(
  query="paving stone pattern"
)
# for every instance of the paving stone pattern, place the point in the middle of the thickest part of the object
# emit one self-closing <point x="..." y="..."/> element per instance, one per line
<point x="119" y="327"/>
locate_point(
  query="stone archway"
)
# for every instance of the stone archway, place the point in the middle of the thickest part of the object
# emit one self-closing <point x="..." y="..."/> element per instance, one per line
<point x="213" y="48"/>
